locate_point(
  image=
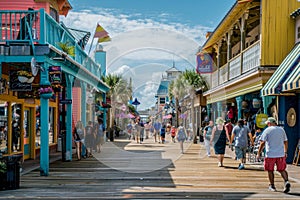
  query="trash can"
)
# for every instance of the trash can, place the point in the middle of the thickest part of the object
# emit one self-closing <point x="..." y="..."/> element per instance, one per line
<point x="13" y="171"/>
<point x="63" y="144"/>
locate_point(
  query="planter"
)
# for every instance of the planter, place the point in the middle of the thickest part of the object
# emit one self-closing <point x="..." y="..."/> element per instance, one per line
<point x="20" y="50"/>
<point x="4" y="50"/>
<point x="41" y="49"/>
<point x="46" y="95"/>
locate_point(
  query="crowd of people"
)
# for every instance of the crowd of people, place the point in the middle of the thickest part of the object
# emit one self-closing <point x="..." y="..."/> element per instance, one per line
<point x="88" y="138"/>
<point x="270" y="142"/>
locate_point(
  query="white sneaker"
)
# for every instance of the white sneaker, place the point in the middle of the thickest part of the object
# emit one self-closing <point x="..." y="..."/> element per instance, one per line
<point x="287" y="187"/>
<point x="272" y="188"/>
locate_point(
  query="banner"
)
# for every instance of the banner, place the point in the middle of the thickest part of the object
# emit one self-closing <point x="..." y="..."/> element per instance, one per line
<point x="204" y="63"/>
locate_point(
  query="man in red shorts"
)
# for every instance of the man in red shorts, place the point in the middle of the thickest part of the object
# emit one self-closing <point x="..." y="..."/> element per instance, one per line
<point x="274" y="140"/>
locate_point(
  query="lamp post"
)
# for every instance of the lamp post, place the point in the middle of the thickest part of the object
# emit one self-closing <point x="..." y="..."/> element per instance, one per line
<point x="136" y="103"/>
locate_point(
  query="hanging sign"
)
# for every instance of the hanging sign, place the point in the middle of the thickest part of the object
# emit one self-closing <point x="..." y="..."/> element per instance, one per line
<point x="204" y="63"/>
<point x="55" y="74"/>
<point x="16" y="85"/>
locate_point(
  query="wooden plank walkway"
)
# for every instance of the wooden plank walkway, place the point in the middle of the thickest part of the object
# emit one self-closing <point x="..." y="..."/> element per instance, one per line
<point x="126" y="170"/>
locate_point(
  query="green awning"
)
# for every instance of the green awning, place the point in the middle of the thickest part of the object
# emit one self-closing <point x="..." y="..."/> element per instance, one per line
<point x="293" y="81"/>
<point x="286" y="69"/>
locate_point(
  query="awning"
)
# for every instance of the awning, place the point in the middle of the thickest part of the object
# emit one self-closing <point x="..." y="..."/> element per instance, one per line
<point x="286" y="69"/>
<point x="293" y="81"/>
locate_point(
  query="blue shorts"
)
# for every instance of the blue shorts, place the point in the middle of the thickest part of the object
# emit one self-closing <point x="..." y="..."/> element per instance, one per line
<point x="240" y="152"/>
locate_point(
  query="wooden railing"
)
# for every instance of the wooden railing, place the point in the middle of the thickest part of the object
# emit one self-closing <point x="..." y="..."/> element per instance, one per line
<point x="37" y="27"/>
<point x="251" y="57"/>
<point x="223" y="74"/>
<point x="234" y="68"/>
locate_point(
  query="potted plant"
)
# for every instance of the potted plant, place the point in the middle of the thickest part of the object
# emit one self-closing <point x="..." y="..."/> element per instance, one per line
<point x="68" y="49"/>
<point x="46" y="92"/>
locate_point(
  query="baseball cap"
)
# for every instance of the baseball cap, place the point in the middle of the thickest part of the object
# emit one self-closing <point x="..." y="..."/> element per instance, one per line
<point x="271" y="120"/>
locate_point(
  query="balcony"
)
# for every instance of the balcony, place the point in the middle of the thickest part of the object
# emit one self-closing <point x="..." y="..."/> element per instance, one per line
<point x="37" y="28"/>
<point x="244" y="62"/>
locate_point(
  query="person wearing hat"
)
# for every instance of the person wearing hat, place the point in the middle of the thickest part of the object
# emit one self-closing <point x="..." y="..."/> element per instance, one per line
<point x="274" y="140"/>
<point x="240" y="134"/>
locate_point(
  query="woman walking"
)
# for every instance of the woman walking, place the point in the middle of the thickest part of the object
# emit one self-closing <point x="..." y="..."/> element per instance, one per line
<point x="79" y="138"/>
<point x="181" y="136"/>
<point x="99" y="131"/>
<point x="219" y="139"/>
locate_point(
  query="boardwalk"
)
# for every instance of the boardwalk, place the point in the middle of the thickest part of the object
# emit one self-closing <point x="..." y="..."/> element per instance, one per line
<point x="126" y="170"/>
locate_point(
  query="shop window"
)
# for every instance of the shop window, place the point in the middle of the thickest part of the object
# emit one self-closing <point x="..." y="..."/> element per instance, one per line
<point x="16" y="127"/>
<point x="3" y="128"/>
<point x="50" y="127"/>
<point x="54" y="14"/>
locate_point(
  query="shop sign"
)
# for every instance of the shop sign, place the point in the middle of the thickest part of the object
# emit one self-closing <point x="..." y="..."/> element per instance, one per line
<point x="65" y="101"/>
<point x="204" y="63"/>
<point x="261" y="119"/>
<point x="33" y="94"/>
<point x="55" y="74"/>
<point x="16" y="85"/>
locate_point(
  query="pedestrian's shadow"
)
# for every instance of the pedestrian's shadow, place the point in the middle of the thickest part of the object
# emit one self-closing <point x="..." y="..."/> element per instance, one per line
<point x="248" y="168"/>
<point x="294" y="194"/>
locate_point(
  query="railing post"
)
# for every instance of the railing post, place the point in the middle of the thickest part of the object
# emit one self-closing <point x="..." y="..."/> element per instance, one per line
<point x="42" y="38"/>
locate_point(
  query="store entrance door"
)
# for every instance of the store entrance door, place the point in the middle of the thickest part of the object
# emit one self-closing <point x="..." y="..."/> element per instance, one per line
<point x="28" y="130"/>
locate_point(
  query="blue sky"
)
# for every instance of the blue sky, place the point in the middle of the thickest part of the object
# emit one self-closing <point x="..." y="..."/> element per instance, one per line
<point x="148" y="35"/>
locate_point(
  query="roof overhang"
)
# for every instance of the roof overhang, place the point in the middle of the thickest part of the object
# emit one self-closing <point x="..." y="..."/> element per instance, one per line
<point x="230" y="19"/>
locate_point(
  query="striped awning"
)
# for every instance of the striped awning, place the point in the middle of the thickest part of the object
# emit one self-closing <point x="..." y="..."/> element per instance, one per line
<point x="285" y="73"/>
<point x="293" y="81"/>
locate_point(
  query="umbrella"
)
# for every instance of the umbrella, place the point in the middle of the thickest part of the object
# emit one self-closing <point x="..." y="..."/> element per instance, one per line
<point x="131" y="116"/>
<point x="169" y="116"/>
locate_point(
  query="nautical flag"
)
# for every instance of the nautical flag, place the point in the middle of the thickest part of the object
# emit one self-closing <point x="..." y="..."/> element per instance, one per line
<point x="100" y="32"/>
<point x="104" y="39"/>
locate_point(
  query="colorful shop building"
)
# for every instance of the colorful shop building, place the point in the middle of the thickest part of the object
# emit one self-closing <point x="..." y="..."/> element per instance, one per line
<point x="240" y="56"/>
<point x="45" y="75"/>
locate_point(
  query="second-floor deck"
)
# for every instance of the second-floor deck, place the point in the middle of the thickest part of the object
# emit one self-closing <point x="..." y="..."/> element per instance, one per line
<point x="246" y="61"/>
<point x="35" y="28"/>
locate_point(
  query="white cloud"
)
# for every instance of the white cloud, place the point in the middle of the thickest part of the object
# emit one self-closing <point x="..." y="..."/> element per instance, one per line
<point x="142" y="47"/>
<point x="123" y="70"/>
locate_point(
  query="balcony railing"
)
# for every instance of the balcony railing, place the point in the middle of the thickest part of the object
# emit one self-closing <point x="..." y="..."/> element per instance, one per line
<point x="223" y="74"/>
<point x="251" y="57"/>
<point x="237" y="66"/>
<point x="37" y="27"/>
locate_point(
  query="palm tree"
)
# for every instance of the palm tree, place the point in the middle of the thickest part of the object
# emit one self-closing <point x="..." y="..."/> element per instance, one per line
<point x="119" y="92"/>
<point x="177" y="90"/>
<point x="194" y="81"/>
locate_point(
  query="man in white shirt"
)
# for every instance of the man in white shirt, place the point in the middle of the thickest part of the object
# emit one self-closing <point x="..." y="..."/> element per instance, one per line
<point x="274" y="140"/>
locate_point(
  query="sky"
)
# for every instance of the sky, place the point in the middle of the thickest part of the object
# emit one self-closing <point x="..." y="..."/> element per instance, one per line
<point x="148" y="36"/>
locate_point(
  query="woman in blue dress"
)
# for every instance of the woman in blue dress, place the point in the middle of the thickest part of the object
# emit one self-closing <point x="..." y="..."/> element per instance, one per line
<point x="218" y="138"/>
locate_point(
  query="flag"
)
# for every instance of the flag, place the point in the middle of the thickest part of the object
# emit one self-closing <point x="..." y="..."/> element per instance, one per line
<point x="100" y="32"/>
<point x="104" y="39"/>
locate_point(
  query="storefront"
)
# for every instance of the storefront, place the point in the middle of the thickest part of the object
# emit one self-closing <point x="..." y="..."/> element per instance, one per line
<point x="20" y="112"/>
<point x="281" y="98"/>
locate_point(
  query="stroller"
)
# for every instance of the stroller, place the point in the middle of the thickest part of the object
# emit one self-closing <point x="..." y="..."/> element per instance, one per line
<point x="254" y="150"/>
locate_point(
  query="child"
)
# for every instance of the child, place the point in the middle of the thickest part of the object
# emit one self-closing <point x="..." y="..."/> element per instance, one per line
<point x="173" y="133"/>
